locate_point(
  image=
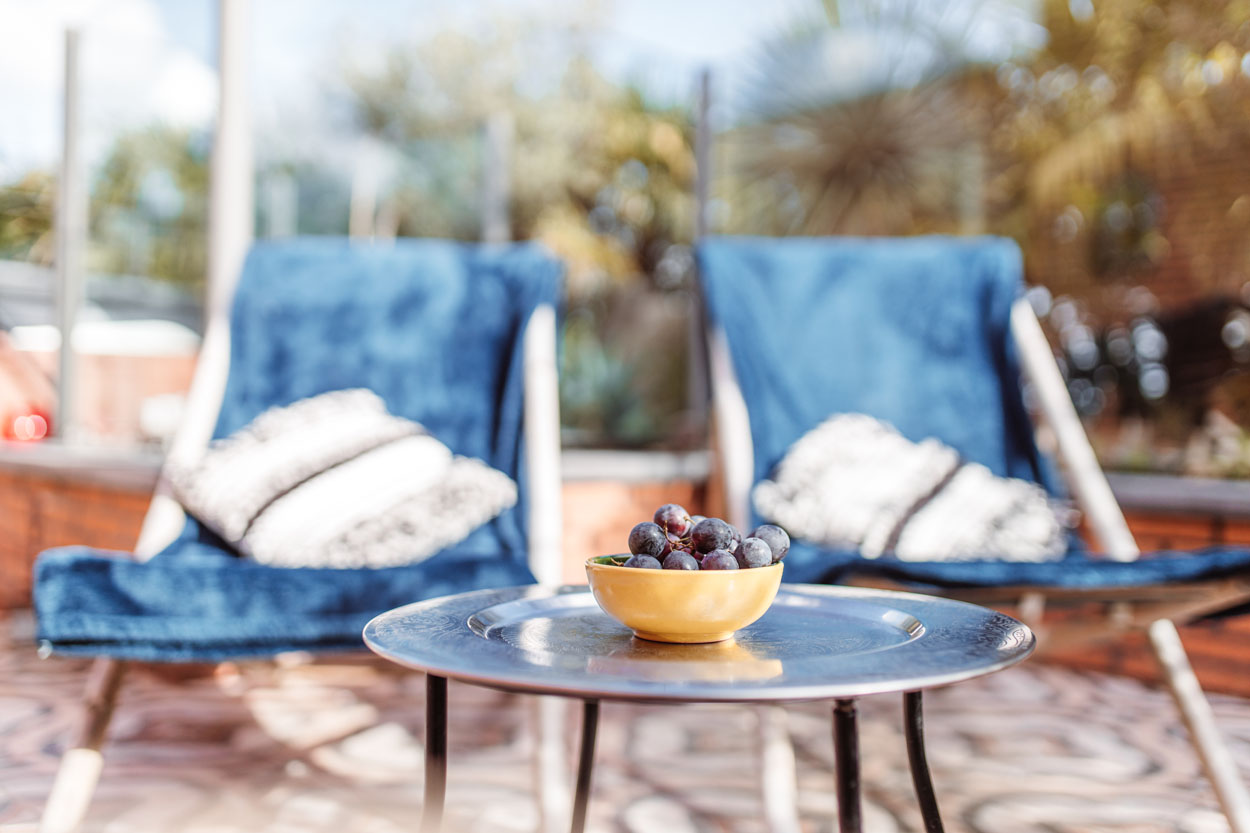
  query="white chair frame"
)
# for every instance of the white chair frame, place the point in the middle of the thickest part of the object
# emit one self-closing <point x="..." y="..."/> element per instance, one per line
<point x="1093" y="494"/>
<point x="81" y="766"/>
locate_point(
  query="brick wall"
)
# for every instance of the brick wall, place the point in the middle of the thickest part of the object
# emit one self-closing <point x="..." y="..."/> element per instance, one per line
<point x="598" y="516"/>
<point x="41" y="511"/>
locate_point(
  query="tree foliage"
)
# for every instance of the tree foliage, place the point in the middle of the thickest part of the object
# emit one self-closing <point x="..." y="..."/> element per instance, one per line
<point x="598" y="173"/>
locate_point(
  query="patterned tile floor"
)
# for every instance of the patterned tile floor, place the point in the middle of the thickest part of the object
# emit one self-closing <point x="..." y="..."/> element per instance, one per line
<point x="335" y="746"/>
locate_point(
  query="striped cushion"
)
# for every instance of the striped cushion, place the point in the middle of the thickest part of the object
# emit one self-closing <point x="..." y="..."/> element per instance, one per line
<point x="854" y="482"/>
<point x="337" y="481"/>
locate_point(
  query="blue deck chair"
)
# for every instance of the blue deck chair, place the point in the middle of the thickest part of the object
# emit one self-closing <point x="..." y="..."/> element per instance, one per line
<point x="460" y="338"/>
<point x="932" y="334"/>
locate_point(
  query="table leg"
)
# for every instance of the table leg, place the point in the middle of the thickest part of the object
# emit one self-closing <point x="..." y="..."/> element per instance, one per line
<point x="913" y="728"/>
<point x="846" y="750"/>
<point x="585" y="763"/>
<point x="435" y="753"/>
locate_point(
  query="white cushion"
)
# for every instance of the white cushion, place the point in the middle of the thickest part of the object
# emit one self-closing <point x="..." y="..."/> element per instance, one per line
<point x="854" y="482"/>
<point x="337" y="481"/>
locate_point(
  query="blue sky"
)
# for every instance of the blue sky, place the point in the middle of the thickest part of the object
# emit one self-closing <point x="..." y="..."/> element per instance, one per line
<point x="153" y="60"/>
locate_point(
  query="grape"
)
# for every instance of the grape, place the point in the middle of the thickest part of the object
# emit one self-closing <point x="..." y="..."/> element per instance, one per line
<point x="711" y="534"/>
<point x="719" y="560"/>
<point x="776" y="538"/>
<point x="673" y="518"/>
<point x="754" y="552"/>
<point x="736" y="541"/>
<point x="694" y="519"/>
<point x="673" y="543"/>
<point x="645" y="562"/>
<point x="680" y="561"/>
<point x="646" y="539"/>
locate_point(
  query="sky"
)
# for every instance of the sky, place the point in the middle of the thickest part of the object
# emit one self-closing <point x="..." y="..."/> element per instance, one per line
<point x="146" y="61"/>
<point x="153" y="60"/>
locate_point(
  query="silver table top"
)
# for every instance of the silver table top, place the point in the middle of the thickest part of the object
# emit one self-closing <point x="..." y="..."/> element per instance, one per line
<point x="814" y="643"/>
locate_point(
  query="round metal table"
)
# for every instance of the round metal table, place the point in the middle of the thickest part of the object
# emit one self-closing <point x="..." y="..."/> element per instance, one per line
<point x="814" y="643"/>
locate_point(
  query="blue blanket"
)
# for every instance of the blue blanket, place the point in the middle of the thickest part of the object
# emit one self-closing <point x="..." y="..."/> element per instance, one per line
<point x="435" y="328"/>
<point x="915" y="332"/>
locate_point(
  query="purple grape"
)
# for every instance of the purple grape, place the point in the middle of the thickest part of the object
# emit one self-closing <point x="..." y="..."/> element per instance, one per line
<point x="646" y="539"/>
<point x="776" y="538"/>
<point x="694" y="519"/>
<point x="754" y="552"/>
<point x="736" y="541"/>
<point x="673" y="518"/>
<point x="711" y="534"/>
<point x="719" y="560"/>
<point x="672" y="543"/>
<point x="680" y="561"/>
<point x="644" y="562"/>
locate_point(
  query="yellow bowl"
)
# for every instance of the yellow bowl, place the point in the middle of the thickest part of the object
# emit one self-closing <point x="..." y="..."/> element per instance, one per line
<point x="681" y="605"/>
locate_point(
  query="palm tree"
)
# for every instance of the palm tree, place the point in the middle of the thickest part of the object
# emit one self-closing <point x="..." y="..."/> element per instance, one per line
<point x="865" y="121"/>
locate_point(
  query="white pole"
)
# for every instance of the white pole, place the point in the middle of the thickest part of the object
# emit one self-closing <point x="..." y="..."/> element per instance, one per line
<point x="230" y="213"/>
<point x="231" y="203"/>
<point x="71" y="242"/>
<point x="1089" y="484"/>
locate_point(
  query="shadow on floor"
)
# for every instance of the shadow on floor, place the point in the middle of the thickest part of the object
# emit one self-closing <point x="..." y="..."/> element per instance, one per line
<point x="335" y="746"/>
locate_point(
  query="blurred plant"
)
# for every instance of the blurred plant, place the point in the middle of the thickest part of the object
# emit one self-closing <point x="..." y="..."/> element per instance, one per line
<point x="149" y="207"/>
<point x="1102" y="151"/>
<point x="1125" y="109"/>
<point x="866" y="120"/>
<point x="598" y="173"/>
<point x="1121" y="85"/>
<point x="148" y="211"/>
<point x="26" y="218"/>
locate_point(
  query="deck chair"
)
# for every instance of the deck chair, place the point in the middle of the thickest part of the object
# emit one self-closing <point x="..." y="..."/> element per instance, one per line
<point x="459" y="337"/>
<point x="931" y="334"/>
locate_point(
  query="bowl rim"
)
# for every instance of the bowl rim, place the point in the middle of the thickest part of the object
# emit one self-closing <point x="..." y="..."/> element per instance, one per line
<point x="590" y="563"/>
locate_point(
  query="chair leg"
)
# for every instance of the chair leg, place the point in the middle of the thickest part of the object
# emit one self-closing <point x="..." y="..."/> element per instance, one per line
<point x="780" y="782"/>
<point x="1230" y="790"/>
<point x="80" y="767"/>
<point x="551" y="764"/>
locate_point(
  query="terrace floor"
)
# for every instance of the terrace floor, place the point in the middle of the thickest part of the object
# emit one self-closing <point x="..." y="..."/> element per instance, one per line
<point x="335" y="745"/>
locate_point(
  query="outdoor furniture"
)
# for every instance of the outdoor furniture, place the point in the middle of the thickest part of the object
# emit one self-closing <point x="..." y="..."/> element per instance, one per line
<point x="458" y="337"/>
<point x="814" y="643"/>
<point x="930" y="334"/>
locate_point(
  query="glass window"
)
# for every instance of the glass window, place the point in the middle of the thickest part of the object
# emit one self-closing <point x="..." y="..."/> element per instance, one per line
<point x="146" y="100"/>
<point x="1111" y="139"/>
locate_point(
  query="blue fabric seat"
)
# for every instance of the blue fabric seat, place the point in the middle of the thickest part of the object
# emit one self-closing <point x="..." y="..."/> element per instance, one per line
<point x="915" y="332"/>
<point x="435" y="328"/>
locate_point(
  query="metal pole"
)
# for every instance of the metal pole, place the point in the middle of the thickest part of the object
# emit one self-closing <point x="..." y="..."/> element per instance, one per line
<point x="435" y="753"/>
<point x="702" y="153"/>
<point x="281" y="195"/>
<point x="913" y="730"/>
<point x="971" y="193"/>
<point x="585" y="764"/>
<point x="846" y="762"/>
<point x="232" y="200"/>
<point x="71" y="242"/>
<point x="361" y="219"/>
<point x="496" y="178"/>
<point x="697" y="389"/>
